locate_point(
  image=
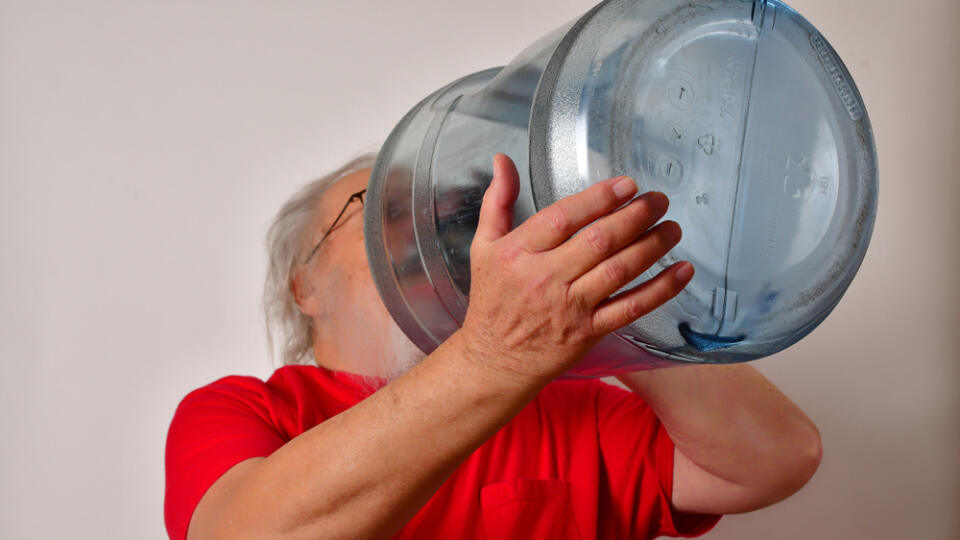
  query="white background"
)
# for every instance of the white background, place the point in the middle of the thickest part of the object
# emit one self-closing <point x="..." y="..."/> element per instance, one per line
<point x="145" y="146"/>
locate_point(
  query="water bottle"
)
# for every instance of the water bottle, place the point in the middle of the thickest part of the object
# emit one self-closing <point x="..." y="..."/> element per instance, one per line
<point x="739" y="110"/>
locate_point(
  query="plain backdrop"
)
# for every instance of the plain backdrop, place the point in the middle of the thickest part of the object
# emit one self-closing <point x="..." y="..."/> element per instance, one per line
<point x="145" y="146"/>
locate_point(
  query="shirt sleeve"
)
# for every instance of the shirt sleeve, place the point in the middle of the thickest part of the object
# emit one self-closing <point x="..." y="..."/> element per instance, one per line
<point x="213" y="429"/>
<point x="637" y="456"/>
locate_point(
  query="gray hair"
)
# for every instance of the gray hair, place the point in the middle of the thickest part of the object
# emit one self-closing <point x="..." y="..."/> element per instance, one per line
<point x="287" y="327"/>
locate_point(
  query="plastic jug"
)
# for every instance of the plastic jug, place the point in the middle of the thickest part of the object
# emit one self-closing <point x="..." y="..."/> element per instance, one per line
<point x="739" y="110"/>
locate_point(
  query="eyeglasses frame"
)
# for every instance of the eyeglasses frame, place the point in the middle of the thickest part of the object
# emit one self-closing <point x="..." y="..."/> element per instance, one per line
<point x="356" y="196"/>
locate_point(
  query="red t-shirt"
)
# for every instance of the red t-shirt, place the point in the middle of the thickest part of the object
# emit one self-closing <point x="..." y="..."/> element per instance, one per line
<point x="583" y="460"/>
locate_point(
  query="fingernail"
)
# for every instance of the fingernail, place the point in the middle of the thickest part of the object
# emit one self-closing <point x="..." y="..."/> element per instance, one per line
<point x="684" y="271"/>
<point x="624" y="188"/>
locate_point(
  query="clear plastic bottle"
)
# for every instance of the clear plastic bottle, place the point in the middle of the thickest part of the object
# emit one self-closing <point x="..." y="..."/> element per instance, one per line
<point x="738" y="110"/>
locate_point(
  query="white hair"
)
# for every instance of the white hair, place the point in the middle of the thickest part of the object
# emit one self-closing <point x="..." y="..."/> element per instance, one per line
<point x="287" y="327"/>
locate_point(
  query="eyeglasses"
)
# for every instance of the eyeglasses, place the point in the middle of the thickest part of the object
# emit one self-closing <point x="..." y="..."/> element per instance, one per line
<point x="358" y="196"/>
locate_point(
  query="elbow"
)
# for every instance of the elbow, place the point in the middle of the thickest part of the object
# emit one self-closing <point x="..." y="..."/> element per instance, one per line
<point x="811" y="454"/>
<point x="788" y="470"/>
<point x="799" y="463"/>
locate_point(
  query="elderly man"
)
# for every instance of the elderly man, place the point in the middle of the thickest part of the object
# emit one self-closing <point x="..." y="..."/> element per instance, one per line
<point x="371" y="439"/>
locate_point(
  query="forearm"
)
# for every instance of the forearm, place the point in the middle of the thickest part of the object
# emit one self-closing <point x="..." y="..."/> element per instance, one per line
<point x="733" y="423"/>
<point x="367" y="471"/>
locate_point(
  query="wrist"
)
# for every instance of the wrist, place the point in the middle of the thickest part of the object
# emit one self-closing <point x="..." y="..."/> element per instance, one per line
<point x="491" y="366"/>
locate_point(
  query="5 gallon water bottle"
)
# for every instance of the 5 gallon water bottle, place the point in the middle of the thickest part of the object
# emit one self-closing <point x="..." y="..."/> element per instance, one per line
<point x="739" y="110"/>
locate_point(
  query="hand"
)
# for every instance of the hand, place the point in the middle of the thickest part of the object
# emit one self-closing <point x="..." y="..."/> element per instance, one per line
<point x="539" y="299"/>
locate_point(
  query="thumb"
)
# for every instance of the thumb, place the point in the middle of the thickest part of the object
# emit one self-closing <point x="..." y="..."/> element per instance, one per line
<point x="496" y="210"/>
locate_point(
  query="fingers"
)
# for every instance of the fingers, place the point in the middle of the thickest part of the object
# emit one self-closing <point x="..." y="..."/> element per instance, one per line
<point x="496" y="210"/>
<point x="630" y="305"/>
<point x="617" y="271"/>
<point x="556" y="223"/>
<point x="610" y="234"/>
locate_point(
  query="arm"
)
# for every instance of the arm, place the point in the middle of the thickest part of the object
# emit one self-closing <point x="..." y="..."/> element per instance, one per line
<point x="366" y="472"/>
<point x="538" y="302"/>
<point x="740" y="443"/>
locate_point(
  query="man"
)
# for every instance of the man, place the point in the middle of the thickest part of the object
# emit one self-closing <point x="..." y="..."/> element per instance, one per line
<point x="477" y="439"/>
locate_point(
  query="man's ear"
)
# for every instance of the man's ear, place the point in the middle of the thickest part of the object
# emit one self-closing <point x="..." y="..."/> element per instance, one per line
<point x="303" y="293"/>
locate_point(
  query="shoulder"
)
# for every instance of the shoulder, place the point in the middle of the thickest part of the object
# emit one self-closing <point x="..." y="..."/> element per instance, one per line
<point x="232" y="388"/>
<point x="294" y="399"/>
<point x="224" y="422"/>
<point x="237" y="400"/>
<point x="215" y="427"/>
<point x="219" y="405"/>
<point x="234" y="393"/>
<point x="251" y="391"/>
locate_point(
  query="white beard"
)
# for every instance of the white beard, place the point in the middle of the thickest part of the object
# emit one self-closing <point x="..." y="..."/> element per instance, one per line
<point x="364" y="335"/>
<point x="405" y="354"/>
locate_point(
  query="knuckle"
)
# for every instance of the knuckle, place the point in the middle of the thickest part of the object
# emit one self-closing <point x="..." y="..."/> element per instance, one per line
<point x="476" y="245"/>
<point x="616" y="271"/>
<point x="598" y="325"/>
<point x="581" y="333"/>
<point x="507" y="256"/>
<point x="667" y="234"/>
<point x="557" y="217"/>
<point x="477" y="251"/>
<point x="636" y="308"/>
<point x="596" y="240"/>
<point x="577" y="301"/>
<point x="605" y="198"/>
<point x="642" y="209"/>
<point x="646" y="210"/>
<point x="539" y="285"/>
